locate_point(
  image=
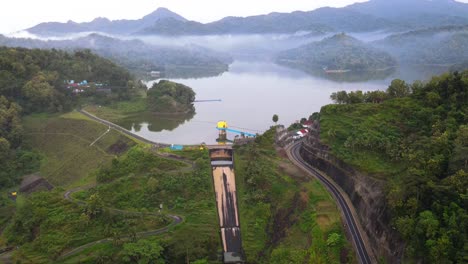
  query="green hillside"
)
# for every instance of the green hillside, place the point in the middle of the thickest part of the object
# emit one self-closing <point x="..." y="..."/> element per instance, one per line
<point x="340" y="52"/>
<point x="415" y="137"/>
<point x="63" y="141"/>
<point x="439" y="46"/>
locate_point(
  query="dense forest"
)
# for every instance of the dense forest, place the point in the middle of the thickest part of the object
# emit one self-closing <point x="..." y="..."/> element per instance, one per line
<point x="34" y="81"/>
<point x="440" y="45"/>
<point x="415" y="137"/>
<point x="133" y="54"/>
<point x="169" y="97"/>
<point x="339" y="52"/>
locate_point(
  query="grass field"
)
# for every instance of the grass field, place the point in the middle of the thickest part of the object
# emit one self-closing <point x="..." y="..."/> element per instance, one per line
<point x="64" y="141"/>
<point x="119" y="110"/>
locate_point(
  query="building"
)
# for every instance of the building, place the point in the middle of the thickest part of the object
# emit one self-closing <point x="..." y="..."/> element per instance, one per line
<point x="307" y="124"/>
<point x="155" y="74"/>
<point x="34" y="183"/>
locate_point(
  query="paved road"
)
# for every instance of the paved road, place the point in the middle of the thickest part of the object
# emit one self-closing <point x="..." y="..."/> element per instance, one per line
<point x="120" y="129"/>
<point x="364" y="255"/>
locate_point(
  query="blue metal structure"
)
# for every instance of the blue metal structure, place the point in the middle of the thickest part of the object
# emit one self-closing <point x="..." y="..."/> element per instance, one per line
<point x="238" y="132"/>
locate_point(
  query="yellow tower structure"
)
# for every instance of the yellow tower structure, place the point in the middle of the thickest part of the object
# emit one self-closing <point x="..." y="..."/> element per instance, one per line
<point x="222" y="126"/>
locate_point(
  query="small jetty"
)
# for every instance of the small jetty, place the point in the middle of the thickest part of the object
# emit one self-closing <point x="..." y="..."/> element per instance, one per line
<point x="207" y="101"/>
<point x="224" y="182"/>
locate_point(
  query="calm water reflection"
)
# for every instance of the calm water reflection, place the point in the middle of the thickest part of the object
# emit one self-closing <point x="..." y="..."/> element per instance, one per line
<point x="251" y="92"/>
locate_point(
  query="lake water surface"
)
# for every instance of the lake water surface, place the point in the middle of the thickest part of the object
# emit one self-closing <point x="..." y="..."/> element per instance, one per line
<point x="251" y="93"/>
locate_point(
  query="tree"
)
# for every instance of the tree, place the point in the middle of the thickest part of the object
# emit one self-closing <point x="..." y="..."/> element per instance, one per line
<point x="170" y="97"/>
<point x="340" y="97"/>
<point x="314" y="116"/>
<point x="398" y="89"/>
<point x="334" y="239"/>
<point x="356" y="97"/>
<point x="94" y="206"/>
<point x="275" y="118"/>
<point x="375" y="97"/>
<point x="143" y="251"/>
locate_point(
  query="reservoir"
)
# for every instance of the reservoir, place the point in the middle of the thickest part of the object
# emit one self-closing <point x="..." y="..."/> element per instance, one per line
<point x="251" y="93"/>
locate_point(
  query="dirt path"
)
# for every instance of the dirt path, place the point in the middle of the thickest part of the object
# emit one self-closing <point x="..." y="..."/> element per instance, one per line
<point x="5" y="257"/>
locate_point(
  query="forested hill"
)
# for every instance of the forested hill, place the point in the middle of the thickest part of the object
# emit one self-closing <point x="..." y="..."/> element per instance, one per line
<point x="35" y="78"/>
<point x="415" y="138"/>
<point x="34" y="81"/>
<point x="134" y="54"/>
<point x="440" y="45"/>
<point x="339" y="52"/>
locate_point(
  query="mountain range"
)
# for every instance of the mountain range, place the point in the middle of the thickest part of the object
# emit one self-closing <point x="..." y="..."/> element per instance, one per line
<point x="374" y="15"/>
<point x="105" y="25"/>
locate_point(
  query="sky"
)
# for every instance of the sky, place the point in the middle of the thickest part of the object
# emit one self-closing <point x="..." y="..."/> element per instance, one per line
<point x="16" y="15"/>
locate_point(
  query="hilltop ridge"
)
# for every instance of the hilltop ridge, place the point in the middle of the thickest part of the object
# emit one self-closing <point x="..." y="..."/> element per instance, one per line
<point x="340" y="52"/>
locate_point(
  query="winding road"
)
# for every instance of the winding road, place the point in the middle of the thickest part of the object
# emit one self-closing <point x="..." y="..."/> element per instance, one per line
<point x="175" y="218"/>
<point x="364" y="254"/>
<point x="67" y="195"/>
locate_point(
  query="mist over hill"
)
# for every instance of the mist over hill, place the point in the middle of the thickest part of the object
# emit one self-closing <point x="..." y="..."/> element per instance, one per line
<point x="337" y="53"/>
<point x="134" y="54"/>
<point x="442" y="45"/>
<point x="409" y="31"/>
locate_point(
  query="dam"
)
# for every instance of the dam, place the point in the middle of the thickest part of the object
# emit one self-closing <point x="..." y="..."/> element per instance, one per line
<point x="224" y="182"/>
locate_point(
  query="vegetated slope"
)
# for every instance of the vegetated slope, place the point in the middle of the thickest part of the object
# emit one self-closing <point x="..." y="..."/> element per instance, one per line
<point x="14" y="161"/>
<point x="134" y="54"/>
<point x="416" y="140"/>
<point x="283" y="219"/>
<point x="142" y="181"/>
<point x="65" y="225"/>
<point x="35" y="78"/>
<point x="285" y="216"/>
<point x="64" y="143"/>
<point x="33" y="81"/>
<point x="443" y="45"/>
<point x="339" y="52"/>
